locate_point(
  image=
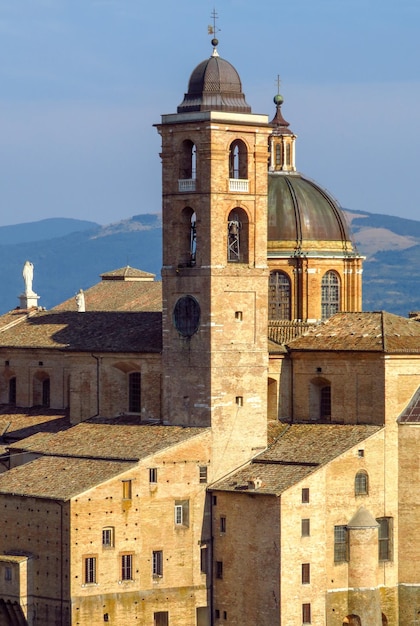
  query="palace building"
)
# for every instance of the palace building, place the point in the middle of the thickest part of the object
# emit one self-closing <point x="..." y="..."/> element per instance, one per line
<point x="237" y="444"/>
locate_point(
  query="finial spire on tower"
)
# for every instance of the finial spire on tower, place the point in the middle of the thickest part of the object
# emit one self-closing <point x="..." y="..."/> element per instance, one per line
<point x="212" y="30"/>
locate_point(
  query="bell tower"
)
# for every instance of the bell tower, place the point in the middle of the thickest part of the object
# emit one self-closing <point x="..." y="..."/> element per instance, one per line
<point x="215" y="276"/>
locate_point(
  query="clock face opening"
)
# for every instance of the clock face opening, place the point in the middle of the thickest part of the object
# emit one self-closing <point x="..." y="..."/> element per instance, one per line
<point x="186" y="316"/>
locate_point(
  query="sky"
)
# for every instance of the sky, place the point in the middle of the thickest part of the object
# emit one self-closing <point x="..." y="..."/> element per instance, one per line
<point x="83" y="81"/>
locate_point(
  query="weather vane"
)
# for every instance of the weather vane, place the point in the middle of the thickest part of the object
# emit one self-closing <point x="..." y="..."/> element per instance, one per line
<point x="212" y="30"/>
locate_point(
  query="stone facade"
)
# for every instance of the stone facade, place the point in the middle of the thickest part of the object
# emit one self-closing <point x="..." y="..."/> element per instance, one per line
<point x="211" y="465"/>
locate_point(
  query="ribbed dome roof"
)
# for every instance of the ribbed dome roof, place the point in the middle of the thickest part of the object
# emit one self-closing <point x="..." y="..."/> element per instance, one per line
<point x="300" y="211"/>
<point x="214" y="86"/>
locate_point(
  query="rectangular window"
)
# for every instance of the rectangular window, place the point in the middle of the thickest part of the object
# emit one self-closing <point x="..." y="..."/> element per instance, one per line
<point x="157" y="563"/>
<point x="127" y="567"/>
<point x="305" y="495"/>
<point x="161" y="618"/>
<point x="219" y="569"/>
<point x="217" y="614"/>
<point x="126" y="484"/>
<point x="153" y="475"/>
<point x="214" y="500"/>
<point x="108" y="537"/>
<point x="224" y="614"/>
<point x="8" y="574"/>
<point x="182" y="511"/>
<point x="306" y="573"/>
<point x="203" y="473"/>
<point x="204" y="557"/>
<point x="341" y="546"/>
<point x="306" y="614"/>
<point x="90" y="570"/>
<point x="222" y="524"/>
<point x="305" y="527"/>
<point x="385" y="536"/>
<point x="134" y="389"/>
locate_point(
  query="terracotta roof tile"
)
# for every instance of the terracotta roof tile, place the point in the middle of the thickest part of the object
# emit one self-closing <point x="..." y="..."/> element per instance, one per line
<point x="59" y="478"/>
<point x="102" y="331"/>
<point x="105" y="441"/>
<point x="17" y="423"/>
<point x="119" y="295"/>
<point x="377" y="332"/>
<point x="299" y="450"/>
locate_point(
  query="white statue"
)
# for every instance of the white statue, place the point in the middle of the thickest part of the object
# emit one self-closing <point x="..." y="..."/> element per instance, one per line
<point x="28" y="276"/>
<point x="80" y="301"/>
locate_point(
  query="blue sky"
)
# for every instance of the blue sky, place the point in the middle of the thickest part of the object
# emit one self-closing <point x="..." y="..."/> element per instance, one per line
<point x="83" y="81"/>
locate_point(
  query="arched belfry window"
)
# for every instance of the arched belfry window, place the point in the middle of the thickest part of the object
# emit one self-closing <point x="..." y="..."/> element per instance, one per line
<point x="330" y="294"/>
<point x="238" y="160"/>
<point x="187" y="166"/>
<point x="238" y="236"/>
<point x="188" y="238"/>
<point x="279" y="296"/>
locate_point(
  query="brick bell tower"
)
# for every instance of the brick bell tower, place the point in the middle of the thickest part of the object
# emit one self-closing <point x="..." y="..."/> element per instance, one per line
<point x="215" y="276"/>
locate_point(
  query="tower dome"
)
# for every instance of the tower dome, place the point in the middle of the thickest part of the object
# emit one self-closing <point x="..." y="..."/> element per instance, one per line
<point x="214" y="85"/>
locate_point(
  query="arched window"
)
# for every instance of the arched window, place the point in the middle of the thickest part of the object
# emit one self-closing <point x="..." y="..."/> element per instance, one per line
<point x="188" y="238"/>
<point x="278" y="154"/>
<point x="41" y="389"/>
<point x="134" y="392"/>
<point x="279" y="296"/>
<point x="188" y="162"/>
<point x="46" y="392"/>
<point x="361" y="483"/>
<point x="238" y="160"/>
<point x="320" y="399"/>
<point x="238" y="236"/>
<point x="12" y="390"/>
<point x="330" y="294"/>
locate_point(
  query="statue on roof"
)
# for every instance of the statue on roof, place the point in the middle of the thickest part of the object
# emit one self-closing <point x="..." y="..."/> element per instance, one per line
<point x="80" y="301"/>
<point x="28" y="276"/>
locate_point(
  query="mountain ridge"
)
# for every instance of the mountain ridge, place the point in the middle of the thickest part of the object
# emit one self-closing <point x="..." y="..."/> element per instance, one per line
<point x="71" y="254"/>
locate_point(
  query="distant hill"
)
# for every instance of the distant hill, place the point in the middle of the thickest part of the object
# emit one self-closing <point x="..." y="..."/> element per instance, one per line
<point x="71" y="254"/>
<point x="42" y="230"/>
<point x="391" y="276"/>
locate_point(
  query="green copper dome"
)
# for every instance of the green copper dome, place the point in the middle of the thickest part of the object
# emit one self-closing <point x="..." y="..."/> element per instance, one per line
<point x="299" y="212"/>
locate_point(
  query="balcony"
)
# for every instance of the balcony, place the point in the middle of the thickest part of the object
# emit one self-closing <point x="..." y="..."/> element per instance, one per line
<point x="239" y="184"/>
<point x="186" y="184"/>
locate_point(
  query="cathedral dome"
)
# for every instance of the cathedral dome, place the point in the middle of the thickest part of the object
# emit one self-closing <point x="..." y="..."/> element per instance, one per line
<point x="304" y="217"/>
<point x="214" y="86"/>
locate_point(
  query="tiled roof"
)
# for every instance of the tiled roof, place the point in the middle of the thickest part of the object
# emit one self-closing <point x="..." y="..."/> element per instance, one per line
<point x="411" y="414"/>
<point x="117" y="292"/>
<point x="299" y="450"/>
<point x="58" y="478"/>
<point x="102" y="331"/>
<point x="104" y="441"/>
<point x="127" y="273"/>
<point x="374" y="332"/>
<point x="20" y="423"/>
